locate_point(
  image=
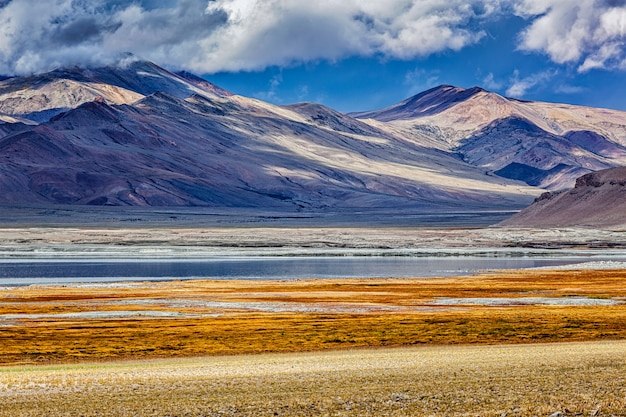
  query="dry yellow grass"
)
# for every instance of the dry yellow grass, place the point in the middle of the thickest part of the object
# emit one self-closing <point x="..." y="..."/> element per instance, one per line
<point x="573" y="379"/>
<point x="62" y="346"/>
<point x="40" y="324"/>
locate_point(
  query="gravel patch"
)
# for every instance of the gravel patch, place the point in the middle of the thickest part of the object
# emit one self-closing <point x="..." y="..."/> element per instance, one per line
<point x="586" y="265"/>
<point x="97" y="315"/>
<point x="270" y="307"/>
<point x="521" y="301"/>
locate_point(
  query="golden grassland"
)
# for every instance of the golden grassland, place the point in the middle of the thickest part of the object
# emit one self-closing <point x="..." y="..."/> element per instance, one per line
<point x="181" y="348"/>
<point x="43" y="324"/>
<point x="561" y="379"/>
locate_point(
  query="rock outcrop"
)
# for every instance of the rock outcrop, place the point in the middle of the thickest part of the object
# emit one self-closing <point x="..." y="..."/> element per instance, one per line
<point x="597" y="200"/>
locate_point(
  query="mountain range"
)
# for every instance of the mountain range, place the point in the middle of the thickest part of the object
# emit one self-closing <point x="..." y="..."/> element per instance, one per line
<point x="139" y="135"/>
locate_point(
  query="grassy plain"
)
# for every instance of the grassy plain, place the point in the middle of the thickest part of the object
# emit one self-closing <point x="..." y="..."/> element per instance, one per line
<point x="43" y="324"/>
<point x="467" y="346"/>
<point x="560" y="379"/>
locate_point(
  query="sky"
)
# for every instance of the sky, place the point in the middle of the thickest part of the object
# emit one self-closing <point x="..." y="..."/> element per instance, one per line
<point x="347" y="54"/>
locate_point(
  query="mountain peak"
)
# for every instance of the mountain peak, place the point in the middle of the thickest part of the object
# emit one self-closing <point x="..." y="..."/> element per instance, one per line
<point x="97" y="109"/>
<point x="42" y="96"/>
<point x="427" y="103"/>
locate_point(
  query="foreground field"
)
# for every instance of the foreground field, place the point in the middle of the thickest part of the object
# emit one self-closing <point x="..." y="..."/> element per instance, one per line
<point x="560" y="379"/>
<point x="181" y="348"/>
<point x="86" y="322"/>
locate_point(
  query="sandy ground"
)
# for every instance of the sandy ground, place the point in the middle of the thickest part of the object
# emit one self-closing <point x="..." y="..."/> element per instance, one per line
<point x="532" y="380"/>
<point x="251" y="241"/>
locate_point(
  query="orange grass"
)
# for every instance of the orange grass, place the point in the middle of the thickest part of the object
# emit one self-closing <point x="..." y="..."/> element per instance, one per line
<point x="373" y="313"/>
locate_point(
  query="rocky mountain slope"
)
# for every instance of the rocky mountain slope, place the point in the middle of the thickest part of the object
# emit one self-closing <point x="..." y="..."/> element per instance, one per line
<point x="598" y="200"/>
<point x="137" y="134"/>
<point x="39" y="97"/>
<point x="543" y="144"/>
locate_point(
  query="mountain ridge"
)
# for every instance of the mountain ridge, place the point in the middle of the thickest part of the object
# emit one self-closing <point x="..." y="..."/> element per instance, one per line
<point x="41" y="96"/>
<point x="429" y="102"/>
<point x="486" y="130"/>
<point x="141" y="135"/>
<point x="598" y="199"/>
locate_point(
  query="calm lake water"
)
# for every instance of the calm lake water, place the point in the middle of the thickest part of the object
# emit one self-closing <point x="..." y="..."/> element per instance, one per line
<point x="46" y="271"/>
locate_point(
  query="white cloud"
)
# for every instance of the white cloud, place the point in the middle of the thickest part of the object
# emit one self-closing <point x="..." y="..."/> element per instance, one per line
<point x="37" y="36"/>
<point x="520" y="86"/>
<point x="272" y="92"/>
<point x="232" y="35"/>
<point x="260" y="33"/>
<point x="588" y="33"/>
<point x="303" y="92"/>
<point x="490" y="83"/>
<point x="569" y="89"/>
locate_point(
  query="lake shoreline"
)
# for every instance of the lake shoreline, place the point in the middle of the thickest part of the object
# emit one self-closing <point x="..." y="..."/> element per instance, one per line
<point x="293" y="253"/>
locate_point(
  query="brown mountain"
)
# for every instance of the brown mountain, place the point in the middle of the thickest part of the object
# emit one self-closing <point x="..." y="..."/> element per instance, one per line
<point x="547" y="145"/>
<point x="140" y="135"/>
<point x="597" y="200"/>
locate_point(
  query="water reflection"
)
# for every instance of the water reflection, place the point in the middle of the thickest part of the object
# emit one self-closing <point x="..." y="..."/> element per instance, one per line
<point x="26" y="272"/>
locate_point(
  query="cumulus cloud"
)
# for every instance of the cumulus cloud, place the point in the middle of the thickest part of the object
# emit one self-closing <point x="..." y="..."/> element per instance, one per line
<point x="37" y="36"/>
<point x="588" y="33"/>
<point x="232" y="35"/>
<point x="261" y="33"/>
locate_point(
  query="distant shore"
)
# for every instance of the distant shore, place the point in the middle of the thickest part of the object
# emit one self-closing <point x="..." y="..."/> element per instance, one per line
<point x="206" y="217"/>
<point x="198" y="241"/>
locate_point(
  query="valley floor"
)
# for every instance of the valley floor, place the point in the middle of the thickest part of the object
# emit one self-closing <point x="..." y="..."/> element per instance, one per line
<point x="146" y="242"/>
<point x="475" y="345"/>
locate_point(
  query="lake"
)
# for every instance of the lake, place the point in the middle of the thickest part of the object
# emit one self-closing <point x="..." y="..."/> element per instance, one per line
<point x="25" y="271"/>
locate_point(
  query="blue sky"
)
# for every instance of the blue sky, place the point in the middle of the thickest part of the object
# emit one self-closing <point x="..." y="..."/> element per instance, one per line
<point x="494" y="63"/>
<point x="347" y="54"/>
